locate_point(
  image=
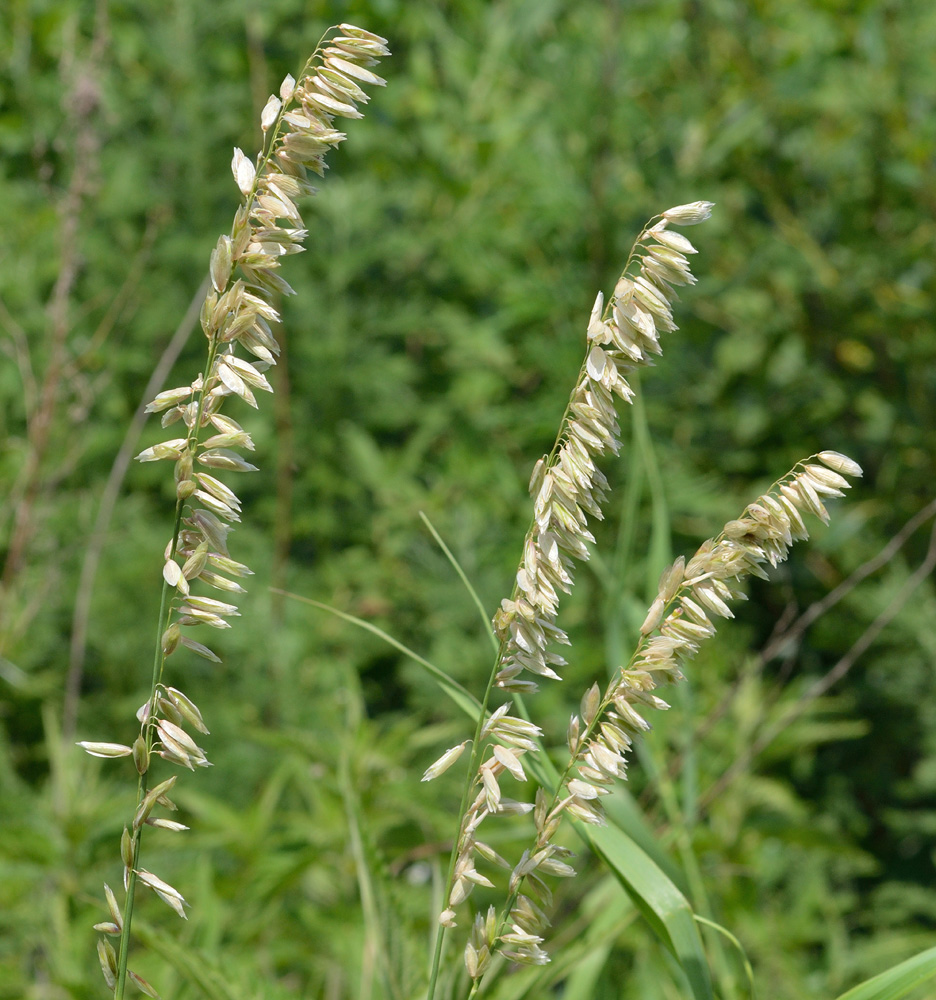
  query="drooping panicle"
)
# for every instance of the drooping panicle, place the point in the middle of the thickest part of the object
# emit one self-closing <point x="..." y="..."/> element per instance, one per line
<point x="691" y="597"/>
<point x="238" y="312"/>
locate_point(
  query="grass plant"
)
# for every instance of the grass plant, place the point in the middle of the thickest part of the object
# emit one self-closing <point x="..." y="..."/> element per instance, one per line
<point x="507" y="940"/>
<point x="237" y="314"/>
<point x="567" y="487"/>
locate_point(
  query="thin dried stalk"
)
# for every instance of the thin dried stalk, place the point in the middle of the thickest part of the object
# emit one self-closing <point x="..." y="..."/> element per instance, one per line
<point x="81" y="100"/>
<point x="788" y="632"/>
<point x="98" y="537"/>
<point x="830" y="678"/>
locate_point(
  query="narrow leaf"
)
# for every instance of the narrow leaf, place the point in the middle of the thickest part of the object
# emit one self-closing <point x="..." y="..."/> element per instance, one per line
<point x="459" y="694"/>
<point x="896" y="982"/>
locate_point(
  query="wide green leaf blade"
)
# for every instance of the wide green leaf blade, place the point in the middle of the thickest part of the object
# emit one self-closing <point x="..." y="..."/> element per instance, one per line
<point x="664" y="907"/>
<point x="624" y="813"/>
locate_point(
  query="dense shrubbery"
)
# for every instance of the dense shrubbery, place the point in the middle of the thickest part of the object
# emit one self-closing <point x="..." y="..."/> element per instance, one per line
<point x="456" y="246"/>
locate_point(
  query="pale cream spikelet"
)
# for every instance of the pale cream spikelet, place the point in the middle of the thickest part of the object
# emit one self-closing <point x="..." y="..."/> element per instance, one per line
<point x="691" y="594"/>
<point x="239" y="312"/>
<point x="566" y="485"/>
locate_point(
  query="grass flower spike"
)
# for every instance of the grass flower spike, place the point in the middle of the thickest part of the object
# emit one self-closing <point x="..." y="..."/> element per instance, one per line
<point x="691" y="594"/>
<point x="237" y="319"/>
<point x="567" y="487"/>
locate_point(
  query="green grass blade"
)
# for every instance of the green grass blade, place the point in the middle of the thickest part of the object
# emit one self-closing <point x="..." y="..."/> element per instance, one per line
<point x="664" y="907"/>
<point x="485" y="617"/>
<point x="657" y="897"/>
<point x="460" y="695"/>
<point x="623" y="812"/>
<point x="583" y="980"/>
<point x="376" y="934"/>
<point x="748" y="971"/>
<point x="193" y="965"/>
<point x="896" y="982"/>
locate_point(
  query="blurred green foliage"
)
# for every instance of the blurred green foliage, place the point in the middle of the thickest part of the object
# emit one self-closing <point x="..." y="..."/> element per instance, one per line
<point x="456" y="246"/>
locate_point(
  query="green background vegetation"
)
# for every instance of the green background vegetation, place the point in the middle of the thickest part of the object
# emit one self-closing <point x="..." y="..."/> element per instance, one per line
<point x="455" y="249"/>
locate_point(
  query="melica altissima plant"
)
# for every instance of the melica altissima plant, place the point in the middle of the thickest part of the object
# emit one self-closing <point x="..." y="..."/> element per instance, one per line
<point x="567" y="486"/>
<point x="238" y="314"/>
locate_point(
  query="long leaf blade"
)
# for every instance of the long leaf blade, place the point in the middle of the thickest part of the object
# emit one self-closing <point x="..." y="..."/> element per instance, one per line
<point x="460" y="695"/>
<point x="664" y="907"/>
<point x="896" y="982"/>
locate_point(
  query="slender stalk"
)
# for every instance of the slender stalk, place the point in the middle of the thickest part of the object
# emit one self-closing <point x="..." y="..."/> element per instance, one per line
<point x="789" y="715"/>
<point x="464" y="579"/>
<point x="470" y="778"/>
<point x="477" y="747"/>
<point x="670" y="636"/>
<point x="92" y="557"/>
<point x="565" y="484"/>
<point x="791" y="632"/>
<point x="159" y="662"/>
<point x="27" y="489"/>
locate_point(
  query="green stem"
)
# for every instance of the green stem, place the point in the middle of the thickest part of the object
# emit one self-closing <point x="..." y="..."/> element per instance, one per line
<point x="166" y="601"/>
<point x="473" y="766"/>
<point x="159" y="662"/>
<point x="606" y="703"/>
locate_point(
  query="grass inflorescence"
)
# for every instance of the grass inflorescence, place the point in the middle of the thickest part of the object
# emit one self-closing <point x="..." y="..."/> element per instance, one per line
<point x="567" y="488"/>
<point x="237" y="317"/>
